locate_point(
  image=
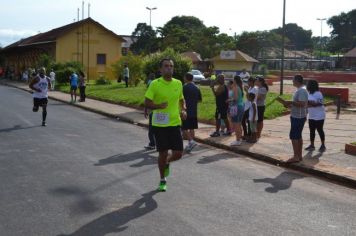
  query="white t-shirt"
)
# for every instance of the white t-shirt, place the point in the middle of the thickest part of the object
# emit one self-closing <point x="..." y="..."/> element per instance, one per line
<point x="316" y="113"/>
<point x="251" y="90"/>
<point x="52" y="75"/>
<point x="245" y="75"/>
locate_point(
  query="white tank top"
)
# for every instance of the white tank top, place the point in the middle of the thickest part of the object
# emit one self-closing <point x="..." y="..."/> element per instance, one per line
<point x="42" y="84"/>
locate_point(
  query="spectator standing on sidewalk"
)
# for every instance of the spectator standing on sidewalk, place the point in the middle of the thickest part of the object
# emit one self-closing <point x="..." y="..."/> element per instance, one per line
<point x="244" y="75"/>
<point x="192" y="97"/>
<point x="52" y="77"/>
<point x="126" y="73"/>
<point x="252" y="118"/>
<point x="250" y="88"/>
<point x="221" y="96"/>
<point x="316" y="112"/>
<point x="237" y="109"/>
<point x="73" y="87"/>
<point x="148" y="114"/>
<point x="82" y="86"/>
<point x="261" y="103"/>
<point x="298" y="116"/>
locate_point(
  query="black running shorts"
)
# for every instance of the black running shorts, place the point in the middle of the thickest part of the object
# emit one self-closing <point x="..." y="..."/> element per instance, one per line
<point x="168" y="138"/>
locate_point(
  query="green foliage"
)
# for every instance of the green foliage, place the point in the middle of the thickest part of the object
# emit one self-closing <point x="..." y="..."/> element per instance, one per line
<point x="64" y="70"/>
<point x="181" y="64"/>
<point x="146" y="39"/>
<point x="253" y="43"/>
<point x="102" y="80"/>
<point x="299" y="38"/>
<point x="188" y="33"/>
<point x="135" y="65"/>
<point x="45" y="61"/>
<point x="343" y="35"/>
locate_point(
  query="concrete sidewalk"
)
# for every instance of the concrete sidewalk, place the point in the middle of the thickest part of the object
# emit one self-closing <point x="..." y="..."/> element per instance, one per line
<point x="273" y="147"/>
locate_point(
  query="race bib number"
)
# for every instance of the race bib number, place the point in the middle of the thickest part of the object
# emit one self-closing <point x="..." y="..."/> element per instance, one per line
<point x="161" y="118"/>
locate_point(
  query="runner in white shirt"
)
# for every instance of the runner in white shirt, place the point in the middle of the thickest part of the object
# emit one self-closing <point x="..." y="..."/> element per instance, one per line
<point x="40" y="85"/>
<point x="316" y="112"/>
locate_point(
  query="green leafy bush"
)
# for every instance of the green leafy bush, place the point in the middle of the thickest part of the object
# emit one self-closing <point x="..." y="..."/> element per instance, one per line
<point x="102" y="80"/>
<point x="182" y="64"/>
<point x="135" y="65"/>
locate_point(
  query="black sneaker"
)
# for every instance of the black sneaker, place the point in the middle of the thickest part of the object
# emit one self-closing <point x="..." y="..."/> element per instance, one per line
<point x="310" y="148"/>
<point x="322" y="148"/>
<point x="215" y="134"/>
<point x="44" y="123"/>
<point x="150" y="147"/>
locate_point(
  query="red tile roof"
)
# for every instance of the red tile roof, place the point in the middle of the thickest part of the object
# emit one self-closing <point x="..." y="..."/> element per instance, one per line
<point x="351" y="53"/>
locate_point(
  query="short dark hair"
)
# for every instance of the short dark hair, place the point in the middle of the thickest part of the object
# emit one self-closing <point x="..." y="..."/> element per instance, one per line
<point x="298" y="78"/>
<point x="312" y="86"/>
<point x="163" y="60"/>
<point x="251" y="79"/>
<point x="189" y="76"/>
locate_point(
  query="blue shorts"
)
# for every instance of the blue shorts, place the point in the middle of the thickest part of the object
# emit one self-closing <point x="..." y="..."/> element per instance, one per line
<point x="240" y="114"/>
<point x="296" y="128"/>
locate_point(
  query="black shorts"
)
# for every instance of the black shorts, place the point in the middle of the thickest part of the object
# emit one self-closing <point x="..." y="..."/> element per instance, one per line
<point x="73" y="88"/>
<point x="190" y="123"/>
<point x="260" y="113"/>
<point x="39" y="102"/>
<point x="297" y="125"/>
<point x="221" y="112"/>
<point x="168" y="138"/>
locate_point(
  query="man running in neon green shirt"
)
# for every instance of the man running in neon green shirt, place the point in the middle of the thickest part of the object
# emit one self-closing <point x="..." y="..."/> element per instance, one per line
<point x="165" y="97"/>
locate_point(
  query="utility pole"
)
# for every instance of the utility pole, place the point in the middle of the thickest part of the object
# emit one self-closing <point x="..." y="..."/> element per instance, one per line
<point x="283" y="39"/>
<point x="321" y="34"/>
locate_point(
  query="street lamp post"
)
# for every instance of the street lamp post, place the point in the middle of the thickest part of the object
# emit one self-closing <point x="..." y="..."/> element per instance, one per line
<point x="151" y="9"/>
<point x="321" y="33"/>
<point x="283" y="39"/>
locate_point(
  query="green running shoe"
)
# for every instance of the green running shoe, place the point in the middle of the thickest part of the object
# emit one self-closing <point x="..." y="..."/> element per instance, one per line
<point x="166" y="171"/>
<point x="162" y="186"/>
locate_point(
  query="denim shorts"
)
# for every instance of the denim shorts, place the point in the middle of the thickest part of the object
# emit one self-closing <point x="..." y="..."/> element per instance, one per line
<point x="296" y="128"/>
<point x="239" y="115"/>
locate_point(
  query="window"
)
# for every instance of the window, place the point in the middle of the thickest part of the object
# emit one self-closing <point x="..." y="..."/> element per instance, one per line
<point x="101" y="59"/>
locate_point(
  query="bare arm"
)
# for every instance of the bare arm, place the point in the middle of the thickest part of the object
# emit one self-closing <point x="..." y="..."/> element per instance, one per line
<point x="33" y="81"/>
<point x="254" y="112"/>
<point x="152" y="106"/>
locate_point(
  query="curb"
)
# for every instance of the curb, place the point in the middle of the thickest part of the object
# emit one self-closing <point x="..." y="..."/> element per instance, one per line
<point x="339" y="179"/>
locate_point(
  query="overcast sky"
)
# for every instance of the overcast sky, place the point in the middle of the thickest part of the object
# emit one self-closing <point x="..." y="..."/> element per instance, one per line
<point x="23" y="18"/>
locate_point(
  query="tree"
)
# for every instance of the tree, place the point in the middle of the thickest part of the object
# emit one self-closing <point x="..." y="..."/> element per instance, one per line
<point x="253" y="43"/>
<point x="135" y="64"/>
<point x="179" y="33"/>
<point x="146" y="39"/>
<point x="343" y="35"/>
<point x="299" y="38"/>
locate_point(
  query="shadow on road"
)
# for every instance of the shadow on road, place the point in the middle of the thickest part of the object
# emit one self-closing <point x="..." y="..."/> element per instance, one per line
<point x="83" y="204"/>
<point x="115" y="221"/>
<point x="281" y="182"/>
<point x="17" y="127"/>
<point x="214" y="158"/>
<point x="142" y="155"/>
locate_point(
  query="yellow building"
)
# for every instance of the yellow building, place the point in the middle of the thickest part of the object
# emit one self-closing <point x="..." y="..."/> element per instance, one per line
<point x="231" y="63"/>
<point x="85" y="41"/>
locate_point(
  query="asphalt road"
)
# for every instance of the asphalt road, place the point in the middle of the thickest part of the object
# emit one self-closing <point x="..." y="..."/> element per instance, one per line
<point x="86" y="174"/>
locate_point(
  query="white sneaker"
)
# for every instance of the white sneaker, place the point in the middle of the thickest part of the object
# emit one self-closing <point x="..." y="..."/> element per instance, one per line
<point x="235" y="143"/>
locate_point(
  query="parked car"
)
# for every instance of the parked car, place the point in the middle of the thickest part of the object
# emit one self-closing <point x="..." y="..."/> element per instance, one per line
<point x="197" y="76"/>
